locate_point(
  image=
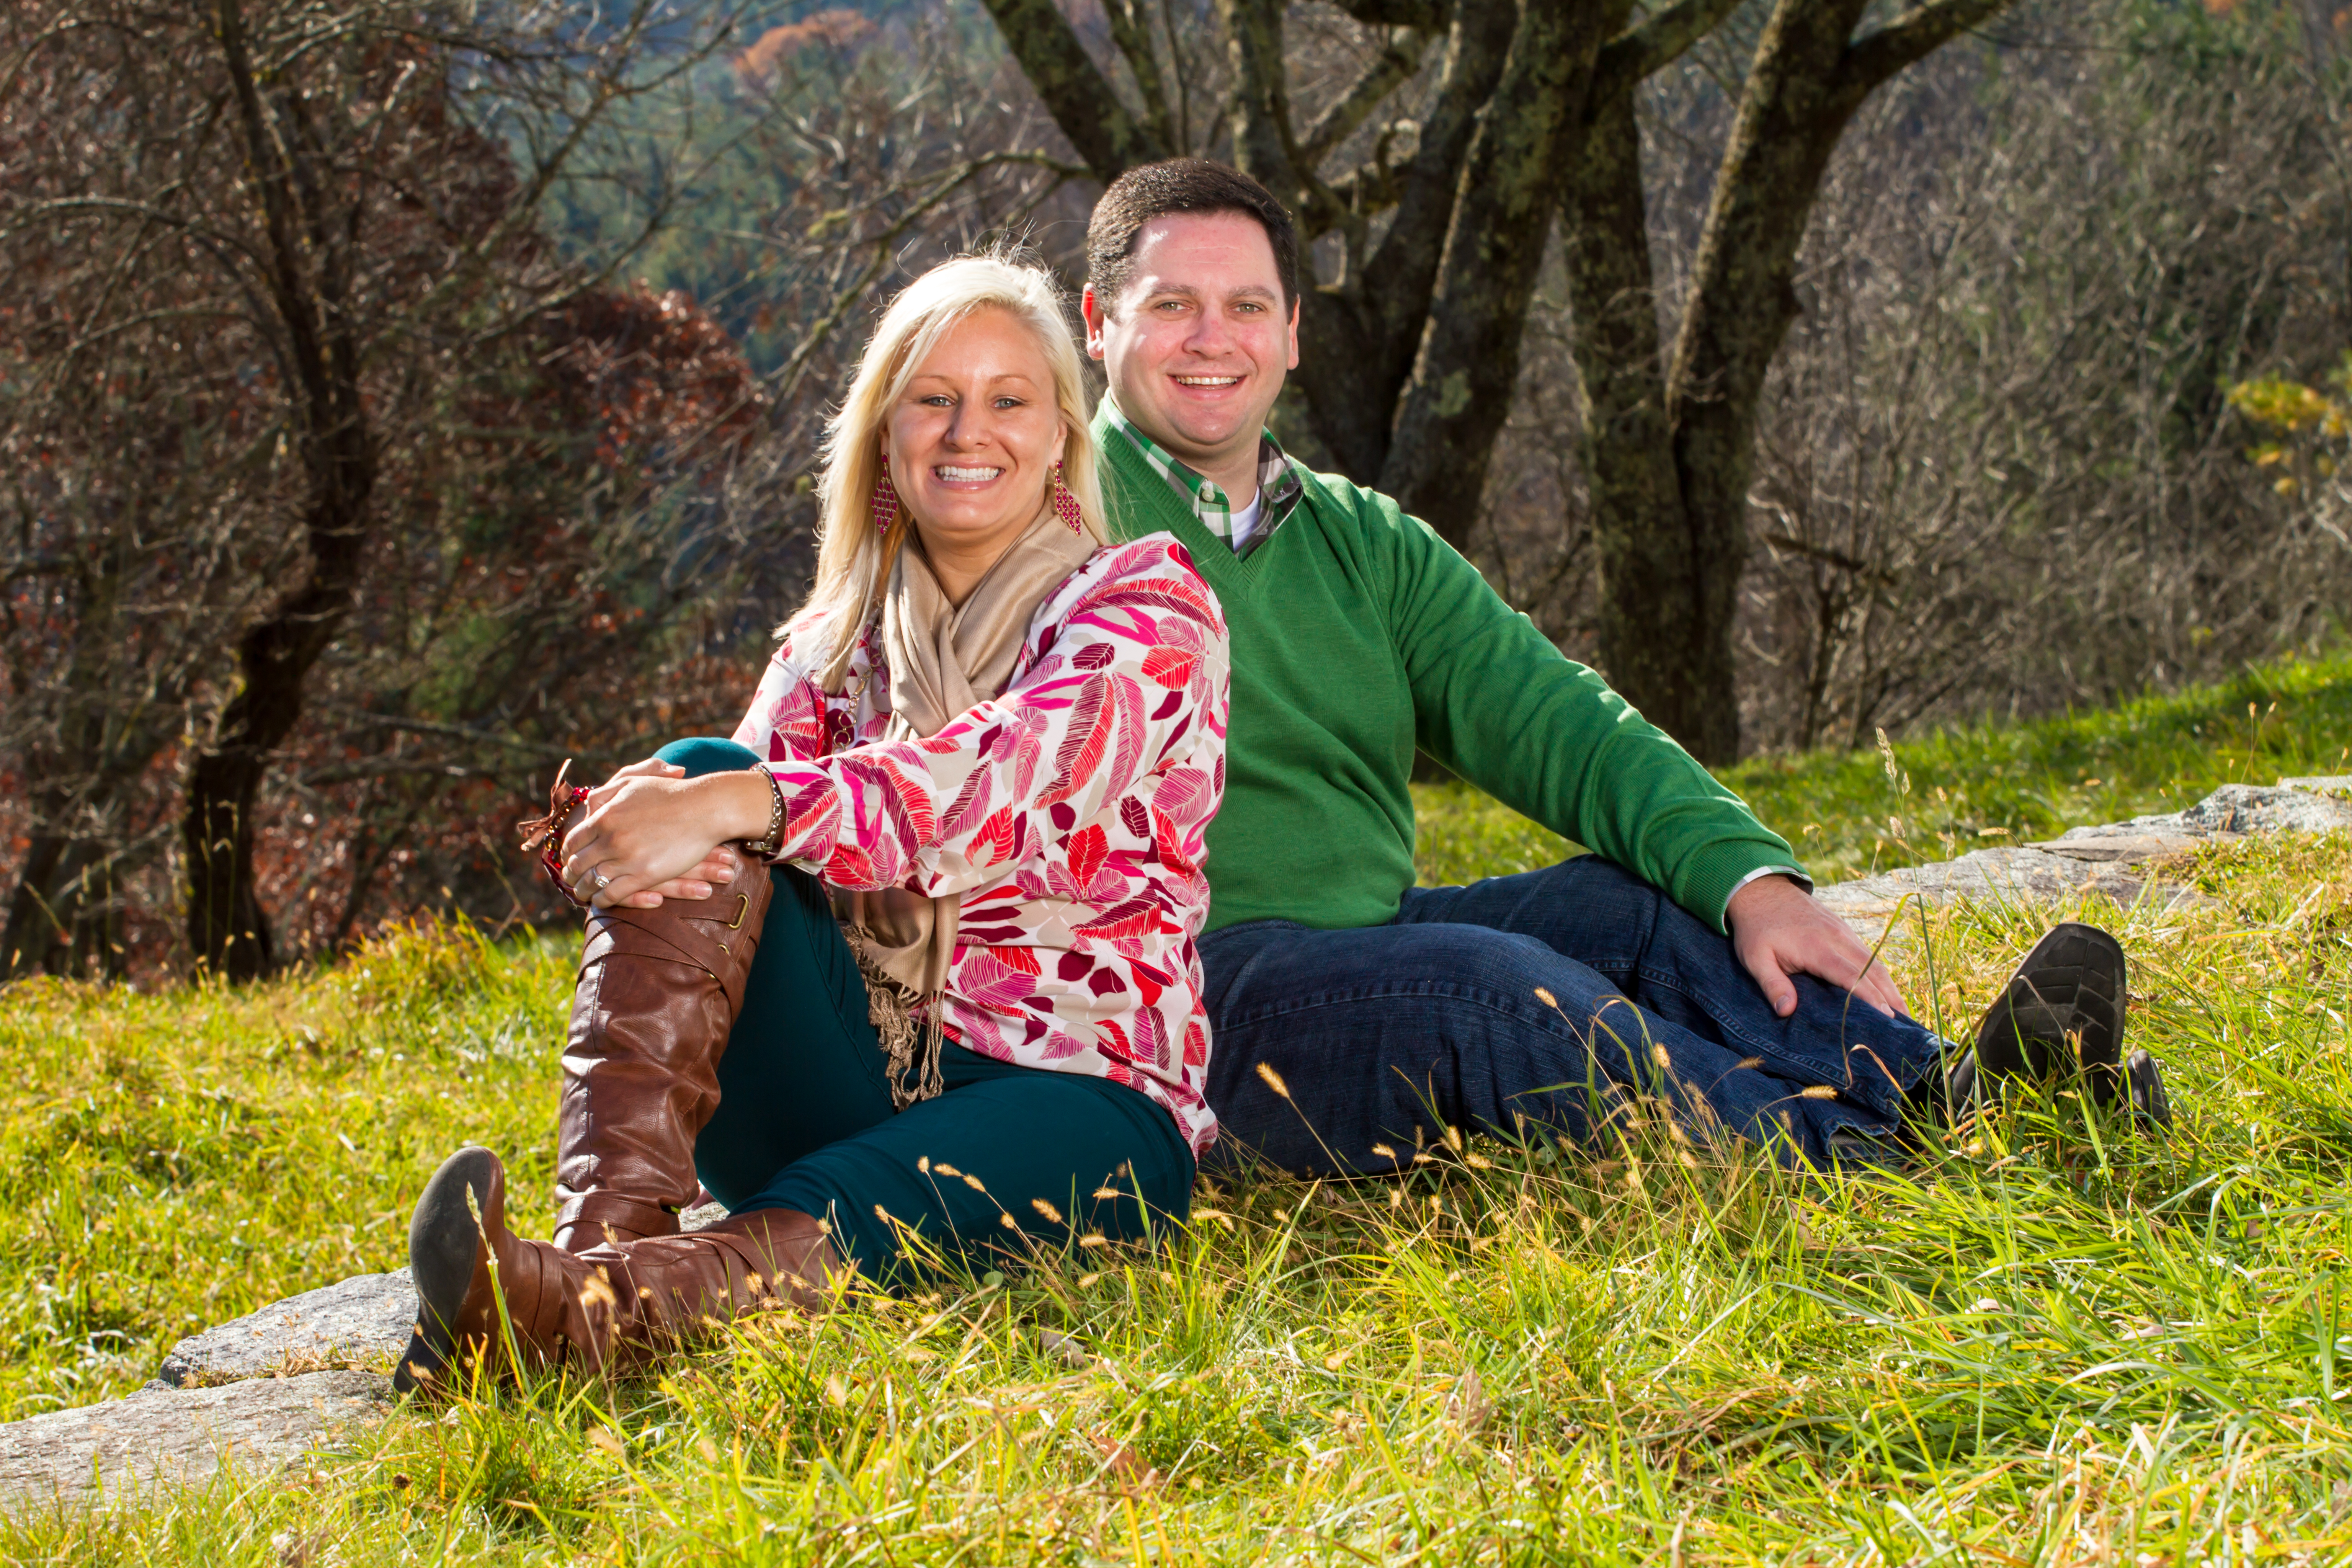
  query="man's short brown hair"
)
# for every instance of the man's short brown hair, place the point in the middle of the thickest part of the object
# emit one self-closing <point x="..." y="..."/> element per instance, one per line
<point x="1181" y="185"/>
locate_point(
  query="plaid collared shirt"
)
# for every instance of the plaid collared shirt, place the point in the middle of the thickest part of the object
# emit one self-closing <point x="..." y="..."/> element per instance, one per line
<point x="1278" y="488"/>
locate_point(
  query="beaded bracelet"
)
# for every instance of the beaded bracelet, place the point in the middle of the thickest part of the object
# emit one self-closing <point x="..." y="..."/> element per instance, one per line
<point x="765" y="848"/>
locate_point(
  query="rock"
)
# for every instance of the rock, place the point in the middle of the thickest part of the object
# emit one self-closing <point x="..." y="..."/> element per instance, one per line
<point x="362" y="1322"/>
<point x="2005" y="876"/>
<point x="181" y="1434"/>
<point x="2132" y="848"/>
<point x="2228" y="813"/>
<point x="2096" y="859"/>
<point x="2254" y="808"/>
<point x="702" y="1217"/>
<point x="2320" y="783"/>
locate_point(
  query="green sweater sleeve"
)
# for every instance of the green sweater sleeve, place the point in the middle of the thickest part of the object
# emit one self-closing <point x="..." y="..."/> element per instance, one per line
<point x="1494" y="701"/>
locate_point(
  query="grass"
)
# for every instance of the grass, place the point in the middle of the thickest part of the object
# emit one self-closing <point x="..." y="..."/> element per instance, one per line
<point x="1977" y="786"/>
<point x="2054" y="1345"/>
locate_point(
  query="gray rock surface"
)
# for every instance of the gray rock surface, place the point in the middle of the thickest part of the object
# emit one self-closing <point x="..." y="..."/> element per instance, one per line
<point x="2241" y="808"/>
<point x="181" y="1434"/>
<point x="2254" y="808"/>
<point x="2106" y="860"/>
<point x="701" y="1217"/>
<point x="362" y="1322"/>
<point x="2321" y="783"/>
<point x="2024" y="875"/>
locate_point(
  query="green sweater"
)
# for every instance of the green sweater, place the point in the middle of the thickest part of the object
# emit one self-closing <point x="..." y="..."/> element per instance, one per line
<point x="1358" y="635"/>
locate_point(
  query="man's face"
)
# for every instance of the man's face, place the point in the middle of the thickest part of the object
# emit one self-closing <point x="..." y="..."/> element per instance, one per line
<point x="1197" y="344"/>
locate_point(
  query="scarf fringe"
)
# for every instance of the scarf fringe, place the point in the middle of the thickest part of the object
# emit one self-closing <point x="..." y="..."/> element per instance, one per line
<point x="913" y="1050"/>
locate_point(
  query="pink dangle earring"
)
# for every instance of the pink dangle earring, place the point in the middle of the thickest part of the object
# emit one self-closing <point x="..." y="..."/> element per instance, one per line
<point x="884" y="503"/>
<point x="1066" y="504"/>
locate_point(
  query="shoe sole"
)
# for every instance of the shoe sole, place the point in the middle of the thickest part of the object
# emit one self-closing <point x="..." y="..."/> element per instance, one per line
<point x="2063" y="1006"/>
<point x="444" y="1245"/>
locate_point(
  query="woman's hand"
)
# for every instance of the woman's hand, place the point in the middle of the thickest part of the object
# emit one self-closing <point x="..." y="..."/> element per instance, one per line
<point x="650" y="832"/>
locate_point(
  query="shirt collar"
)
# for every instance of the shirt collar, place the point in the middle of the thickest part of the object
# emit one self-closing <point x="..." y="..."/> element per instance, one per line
<point x="1277" y="485"/>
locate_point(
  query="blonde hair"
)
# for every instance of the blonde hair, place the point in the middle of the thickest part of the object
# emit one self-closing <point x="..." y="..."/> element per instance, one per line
<point x="853" y="560"/>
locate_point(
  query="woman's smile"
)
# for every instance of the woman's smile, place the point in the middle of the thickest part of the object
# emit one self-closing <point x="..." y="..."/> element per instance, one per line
<point x="971" y="443"/>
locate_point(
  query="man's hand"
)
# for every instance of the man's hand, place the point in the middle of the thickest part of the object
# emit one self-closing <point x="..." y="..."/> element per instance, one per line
<point x="1778" y="931"/>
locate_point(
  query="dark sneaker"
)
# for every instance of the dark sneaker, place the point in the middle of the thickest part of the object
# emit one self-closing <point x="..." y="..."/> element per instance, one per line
<point x="2061" y="1012"/>
<point x="2151" y="1107"/>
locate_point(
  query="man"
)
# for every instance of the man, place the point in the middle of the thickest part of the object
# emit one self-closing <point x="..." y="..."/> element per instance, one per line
<point x="1356" y="1015"/>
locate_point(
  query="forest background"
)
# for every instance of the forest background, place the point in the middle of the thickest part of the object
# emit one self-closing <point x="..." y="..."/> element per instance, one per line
<point x="399" y="399"/>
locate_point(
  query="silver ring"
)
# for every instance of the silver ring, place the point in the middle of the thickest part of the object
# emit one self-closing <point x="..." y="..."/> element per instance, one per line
<point x="602" y="880"/>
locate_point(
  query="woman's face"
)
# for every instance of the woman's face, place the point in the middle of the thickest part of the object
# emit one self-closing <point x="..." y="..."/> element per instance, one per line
<point x="973" y="439"/>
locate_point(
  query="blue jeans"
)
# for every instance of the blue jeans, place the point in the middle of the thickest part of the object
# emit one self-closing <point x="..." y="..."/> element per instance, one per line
<point x="1534" y="1002"/>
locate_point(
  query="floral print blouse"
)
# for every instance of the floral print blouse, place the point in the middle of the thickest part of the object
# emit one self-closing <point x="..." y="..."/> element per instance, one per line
<point x="1068" y="811"/>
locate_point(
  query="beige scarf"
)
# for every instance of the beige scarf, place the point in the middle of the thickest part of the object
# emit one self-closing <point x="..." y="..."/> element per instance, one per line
<point x="944" y="660"/>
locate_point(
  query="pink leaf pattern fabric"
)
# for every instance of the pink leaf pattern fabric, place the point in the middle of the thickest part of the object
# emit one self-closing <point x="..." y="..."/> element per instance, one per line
<point x="1070" y="811"/>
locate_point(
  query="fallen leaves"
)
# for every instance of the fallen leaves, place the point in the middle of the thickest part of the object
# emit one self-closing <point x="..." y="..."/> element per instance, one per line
<point x="1466" y="1405"/>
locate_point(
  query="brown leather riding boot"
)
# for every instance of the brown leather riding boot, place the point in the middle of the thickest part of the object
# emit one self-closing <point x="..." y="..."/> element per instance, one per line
<point x="657" y="992"/>
<point x="609" y="1307"/>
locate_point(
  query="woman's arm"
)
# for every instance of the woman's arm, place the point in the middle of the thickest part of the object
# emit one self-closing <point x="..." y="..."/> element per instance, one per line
<point x="651" y="831"/>
<point x="1137" y="666"/>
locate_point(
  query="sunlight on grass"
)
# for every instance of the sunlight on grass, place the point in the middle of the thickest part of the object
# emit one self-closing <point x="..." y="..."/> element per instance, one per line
<point x="169" y="1161"/>
<point x="2054" y="1343"/>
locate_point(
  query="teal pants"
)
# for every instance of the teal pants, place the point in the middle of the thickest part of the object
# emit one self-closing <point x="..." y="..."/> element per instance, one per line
<point x="1009" y="1160"/>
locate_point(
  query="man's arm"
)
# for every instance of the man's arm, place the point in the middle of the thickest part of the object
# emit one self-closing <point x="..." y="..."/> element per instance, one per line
<point x="1494" y="701"/>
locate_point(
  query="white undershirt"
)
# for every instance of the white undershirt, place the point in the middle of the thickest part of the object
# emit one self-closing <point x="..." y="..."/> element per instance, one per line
<point x="1245" y="520"/>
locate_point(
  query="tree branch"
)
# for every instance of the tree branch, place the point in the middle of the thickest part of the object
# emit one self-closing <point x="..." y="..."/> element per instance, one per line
<point x="1264" y="147"/>
<point x="1911" y="36"/>
<point x="1654" y="43"/>
<point x="883" y="245"/>
<point x="1428" y="16"/>
<point x="1374" y="186"/>
<point x="1073" y="89"/>
<point x="1399" y="60"/>
<point x="1132" y="34"/>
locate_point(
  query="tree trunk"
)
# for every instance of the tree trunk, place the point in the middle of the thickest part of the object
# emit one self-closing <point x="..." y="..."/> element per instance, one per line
<point x="310" y="285"/>
<point x="1808" y="78"/>
<point x="65" y="914"/>
<point x="1740" y="307"/>
<point x="1649" y="588"/>
<point x="1469" y="370"/>
<point x="227" y="932"/>
<point x="40" y="935"/>
<point x="1358" y="341"/>
<point x="1411" y="359"/>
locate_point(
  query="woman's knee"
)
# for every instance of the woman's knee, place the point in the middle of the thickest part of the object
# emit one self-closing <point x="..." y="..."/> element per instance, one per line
<point x="704" y="755"/>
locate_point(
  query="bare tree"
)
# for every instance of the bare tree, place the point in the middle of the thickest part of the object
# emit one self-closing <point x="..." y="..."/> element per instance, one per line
<point x="1437" y="219"/>
<point x="313" y="212"/>
<point x="1994" y="469"/>
<point x="1673" y="429"/>
<point x="586" y="511"/>
<point x="1997" y="467"/>
<point x="1413" y="345"/>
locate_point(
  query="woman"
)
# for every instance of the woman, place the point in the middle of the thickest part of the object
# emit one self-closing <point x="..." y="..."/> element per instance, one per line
<point x="963" y="1011"/>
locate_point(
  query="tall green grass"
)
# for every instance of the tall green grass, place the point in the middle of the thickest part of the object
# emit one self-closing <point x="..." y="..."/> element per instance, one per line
<point x="2054" y="1342"/>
